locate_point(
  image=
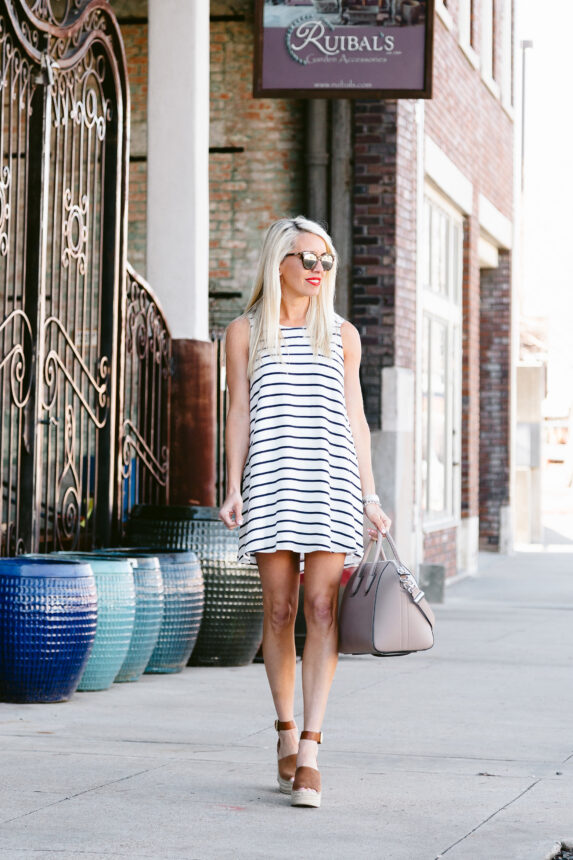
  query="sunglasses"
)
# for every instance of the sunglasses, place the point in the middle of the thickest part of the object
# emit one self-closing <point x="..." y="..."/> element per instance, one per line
<point x="309" y="260"/>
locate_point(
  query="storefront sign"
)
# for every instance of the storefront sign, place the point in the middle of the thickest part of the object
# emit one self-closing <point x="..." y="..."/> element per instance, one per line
<point x="344" y="48"/>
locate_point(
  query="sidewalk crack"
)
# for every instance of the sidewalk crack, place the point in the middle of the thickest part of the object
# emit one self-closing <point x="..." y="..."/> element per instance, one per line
<point x="489" y="818"/>
<point x="79" y="793"/>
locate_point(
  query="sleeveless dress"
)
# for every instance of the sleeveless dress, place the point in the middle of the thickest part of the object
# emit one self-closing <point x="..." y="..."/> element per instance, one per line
<point x="301" y="485"/>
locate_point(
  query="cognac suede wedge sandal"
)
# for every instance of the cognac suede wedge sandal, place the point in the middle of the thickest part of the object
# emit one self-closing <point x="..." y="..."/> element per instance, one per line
<point x="286" y="764"/>
<point x="306" y="789"/>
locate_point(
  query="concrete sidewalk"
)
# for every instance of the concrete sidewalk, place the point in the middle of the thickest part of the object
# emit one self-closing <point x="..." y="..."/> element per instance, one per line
<point x="462" y="752"/>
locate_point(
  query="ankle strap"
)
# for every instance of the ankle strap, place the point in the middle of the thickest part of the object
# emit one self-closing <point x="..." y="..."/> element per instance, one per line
<point x="311" y="736"/>
<point x="285" y="726"/>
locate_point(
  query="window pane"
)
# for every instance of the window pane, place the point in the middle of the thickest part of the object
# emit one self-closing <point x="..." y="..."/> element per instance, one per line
<point x="438" y="429"/>
<point x="507" y="52"/>
<point x="486" y="25"/>
<point x="425" y="407"/>
<point x="443" y="282"/>
<point x="464" y="21"/>
<point x="426" y="250"/>
<point x="455" y="262"/>
<point x="437" y="251"/>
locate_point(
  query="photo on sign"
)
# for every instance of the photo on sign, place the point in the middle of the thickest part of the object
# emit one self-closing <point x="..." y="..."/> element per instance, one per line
<point x="344" y="48"/>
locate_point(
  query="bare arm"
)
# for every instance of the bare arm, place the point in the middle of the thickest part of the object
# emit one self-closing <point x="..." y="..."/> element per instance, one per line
<point x="358" y="424"/>
<point x="238" y="419"/>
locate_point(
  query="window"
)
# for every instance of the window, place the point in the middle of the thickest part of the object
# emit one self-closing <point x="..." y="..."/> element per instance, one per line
<point x="465" y="15"/>
<point x="441" y="361"/>
<point x="486" y="27"/>
<point x="506" y="77"/>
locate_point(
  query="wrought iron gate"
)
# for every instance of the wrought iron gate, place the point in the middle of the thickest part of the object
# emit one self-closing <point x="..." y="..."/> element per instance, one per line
<point x="64" y="112"/>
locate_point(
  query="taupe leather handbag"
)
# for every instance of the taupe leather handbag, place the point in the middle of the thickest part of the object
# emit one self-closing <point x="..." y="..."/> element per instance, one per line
<point x="383" y="612"/>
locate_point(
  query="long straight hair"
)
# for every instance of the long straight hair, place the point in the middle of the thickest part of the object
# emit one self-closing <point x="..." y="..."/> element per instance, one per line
<point x="265" y="298"/>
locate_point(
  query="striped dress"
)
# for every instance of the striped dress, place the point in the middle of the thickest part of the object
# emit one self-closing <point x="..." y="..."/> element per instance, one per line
<point x="301" y="485"/>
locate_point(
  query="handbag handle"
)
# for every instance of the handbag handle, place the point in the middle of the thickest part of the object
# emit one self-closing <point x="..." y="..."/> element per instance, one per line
<point x="380" y="554"/>
<point x="407" y="580"/>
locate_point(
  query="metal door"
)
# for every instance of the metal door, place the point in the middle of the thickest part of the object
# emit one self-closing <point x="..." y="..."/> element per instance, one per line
<point x="63" y="177"/>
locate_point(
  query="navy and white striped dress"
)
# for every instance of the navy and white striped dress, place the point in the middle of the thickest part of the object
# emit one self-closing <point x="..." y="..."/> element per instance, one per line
<point x="301" y="485"/>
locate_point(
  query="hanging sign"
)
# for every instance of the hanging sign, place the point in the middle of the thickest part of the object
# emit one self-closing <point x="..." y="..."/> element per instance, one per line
<point x="343" y="48"/>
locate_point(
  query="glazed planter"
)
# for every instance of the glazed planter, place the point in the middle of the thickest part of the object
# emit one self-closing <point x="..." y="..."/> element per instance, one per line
<point x="232" y="625"/>
<point x="48" y="618"/>
<point x="183" y="595"/>
<point x="183" y="613"/>
<point x="116" y="615"/>
<point x="149" y="604"/>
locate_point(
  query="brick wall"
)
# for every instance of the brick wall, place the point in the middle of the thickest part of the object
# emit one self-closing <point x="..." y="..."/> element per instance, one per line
<point x="406" y="237"/>
<point x="137" y="216"/>
<point x="255" y="163"/>
<point x="133" y="24"/>
<point x="383" y="301"/>
<point x="440" y="547"/>
<point x="468" y="122"/>
<point x="495" y="352"/>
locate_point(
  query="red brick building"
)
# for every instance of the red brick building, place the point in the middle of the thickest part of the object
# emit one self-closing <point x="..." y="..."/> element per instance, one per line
<point x="419" y="198"/>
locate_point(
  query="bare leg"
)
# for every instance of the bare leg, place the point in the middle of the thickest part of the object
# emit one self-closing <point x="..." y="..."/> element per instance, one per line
<point x="322" y="573"/>
<point x="279" y="572"/>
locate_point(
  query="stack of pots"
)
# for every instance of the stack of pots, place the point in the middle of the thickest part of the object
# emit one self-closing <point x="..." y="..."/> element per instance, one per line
<point x="149" y="604"/>
<point x="231" y="630"/>
<point x="182" y="598"/>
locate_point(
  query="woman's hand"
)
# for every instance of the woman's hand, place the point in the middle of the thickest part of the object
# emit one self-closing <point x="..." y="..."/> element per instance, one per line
<point x="378" y="518"/>
<point x="232" y="510"/>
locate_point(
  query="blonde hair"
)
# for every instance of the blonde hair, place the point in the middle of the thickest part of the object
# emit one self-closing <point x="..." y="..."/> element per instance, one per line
<point x="265" y="299"/>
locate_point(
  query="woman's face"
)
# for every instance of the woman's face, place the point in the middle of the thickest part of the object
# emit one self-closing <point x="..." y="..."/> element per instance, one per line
<point x="296" y="281"/>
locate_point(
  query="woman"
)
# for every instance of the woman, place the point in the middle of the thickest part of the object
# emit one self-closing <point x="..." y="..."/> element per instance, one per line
<point x="299" y="473"/>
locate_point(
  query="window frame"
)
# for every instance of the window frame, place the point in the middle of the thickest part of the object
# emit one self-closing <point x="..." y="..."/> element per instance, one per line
<point x="441" y="308"/>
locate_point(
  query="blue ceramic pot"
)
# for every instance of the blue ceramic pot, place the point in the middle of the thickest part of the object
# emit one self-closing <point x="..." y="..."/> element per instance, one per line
<point x="48" y="617"/>
<point x="149" y="602"/>
<point x="116" y="615"/>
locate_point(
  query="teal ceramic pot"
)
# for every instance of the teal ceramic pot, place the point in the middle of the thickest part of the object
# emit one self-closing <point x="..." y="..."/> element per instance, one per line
<point x="48" y="617"/>
<point x="116" y="615"/>
<point x="183" y="612"/>
<point x="149" y="604"/>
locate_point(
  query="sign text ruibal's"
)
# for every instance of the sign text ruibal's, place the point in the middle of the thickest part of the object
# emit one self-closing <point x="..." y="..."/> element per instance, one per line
<point x="302" y="52"/>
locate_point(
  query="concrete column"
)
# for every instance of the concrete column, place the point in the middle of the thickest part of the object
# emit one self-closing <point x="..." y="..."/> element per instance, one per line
<point x="178" y="232"/>
<point x="393" y="456"/>
<point x="178" y="163"/>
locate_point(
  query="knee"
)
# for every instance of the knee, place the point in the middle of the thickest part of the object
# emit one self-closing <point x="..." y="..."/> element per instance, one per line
<point x="320" y="612"/>
<point x="281" y="615"/>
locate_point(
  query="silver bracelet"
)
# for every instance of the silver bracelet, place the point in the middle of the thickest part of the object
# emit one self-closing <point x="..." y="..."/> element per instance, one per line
<point x="371" y="499"/>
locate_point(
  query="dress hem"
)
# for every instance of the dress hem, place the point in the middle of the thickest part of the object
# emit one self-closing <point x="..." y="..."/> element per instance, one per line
<point x="352" y="556"/>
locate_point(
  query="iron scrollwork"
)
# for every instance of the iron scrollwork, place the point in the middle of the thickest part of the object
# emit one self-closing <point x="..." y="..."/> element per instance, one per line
<point x="75" y="231"/>
<point x="58" y="12"/>
<point x="144" y="426"/>
<point x="57" y="363"/>
<point x="58" y="337"/>
<point x="4" y="209"/>
<point x="68" y="507"/>
<point x="16" y="348"/>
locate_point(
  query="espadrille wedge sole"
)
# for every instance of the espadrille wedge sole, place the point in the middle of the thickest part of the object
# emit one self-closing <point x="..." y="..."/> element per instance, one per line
<point x="306" y="789"/>
<point x="286" y="766"/>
